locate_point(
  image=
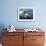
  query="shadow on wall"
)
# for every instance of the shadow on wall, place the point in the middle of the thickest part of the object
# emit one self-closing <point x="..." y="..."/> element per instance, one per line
<point x="2" y="26"/>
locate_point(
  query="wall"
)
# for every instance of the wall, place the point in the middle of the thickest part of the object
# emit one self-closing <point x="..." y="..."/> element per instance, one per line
<point x="9" y="13"/>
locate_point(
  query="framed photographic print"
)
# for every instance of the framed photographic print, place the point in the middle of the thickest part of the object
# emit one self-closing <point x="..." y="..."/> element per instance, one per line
<point x="26" y="14"/>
